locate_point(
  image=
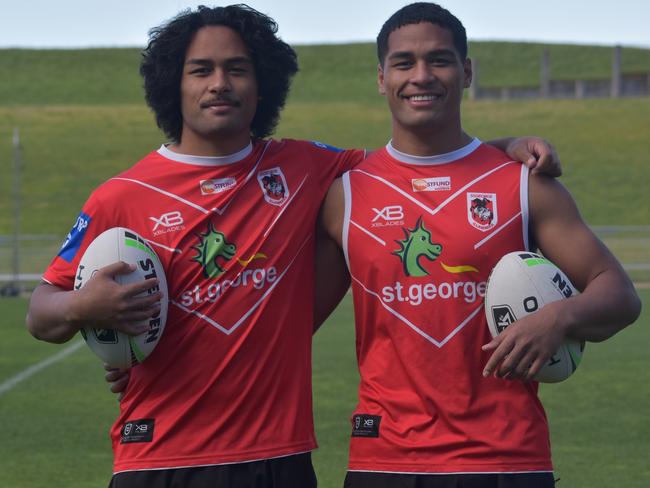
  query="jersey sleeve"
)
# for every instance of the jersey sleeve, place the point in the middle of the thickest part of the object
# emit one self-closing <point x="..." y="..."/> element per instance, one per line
<point x="329" y="162"/>
<point x="92" y="221"/>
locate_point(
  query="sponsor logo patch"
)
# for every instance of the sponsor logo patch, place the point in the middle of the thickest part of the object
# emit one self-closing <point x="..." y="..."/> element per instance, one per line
<point x="503" y="317"/>
<point x="364" y="425"/>
<point x="431" y="184"/>
<point x="273" y="185"/>
<point x="105" y="336"/>
<point x="211" y="187"/>
<point x="326" y="146"/>
<point x="137" y="431"/>
<point x="168" y="222"/>
<point x="482" y="210"/>
<point x="75" y="237"/>
<point x="388" y="216"/>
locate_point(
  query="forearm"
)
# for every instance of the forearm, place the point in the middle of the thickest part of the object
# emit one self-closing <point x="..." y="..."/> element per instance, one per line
<point x="332" y="279"/>
<point x="50" y="316"/>
<point x="608" y="304"/>
<point x="502" y="143"/>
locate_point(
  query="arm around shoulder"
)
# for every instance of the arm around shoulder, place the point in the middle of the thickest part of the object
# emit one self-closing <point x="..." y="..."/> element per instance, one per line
<point x="332" y="277"/>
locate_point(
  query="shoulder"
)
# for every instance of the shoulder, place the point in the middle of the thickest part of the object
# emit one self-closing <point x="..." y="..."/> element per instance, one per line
<point x="143" y="169"/>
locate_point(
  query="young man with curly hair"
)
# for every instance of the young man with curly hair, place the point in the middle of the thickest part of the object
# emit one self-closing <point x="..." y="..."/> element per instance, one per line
<point x="225" y="398"/>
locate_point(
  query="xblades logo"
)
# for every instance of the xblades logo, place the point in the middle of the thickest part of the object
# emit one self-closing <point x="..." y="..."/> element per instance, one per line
<point x="168" y="222"/>
<point x="390" y="215"/>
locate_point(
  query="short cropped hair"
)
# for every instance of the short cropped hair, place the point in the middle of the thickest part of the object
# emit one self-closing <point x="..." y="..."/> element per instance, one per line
<point x="416" y="13"/>
<point x="275" y="64"/>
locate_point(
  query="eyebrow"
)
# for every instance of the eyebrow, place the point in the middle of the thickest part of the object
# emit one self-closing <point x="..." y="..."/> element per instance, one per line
<point x="408" y="54"/>
<point x="208" y="62"/>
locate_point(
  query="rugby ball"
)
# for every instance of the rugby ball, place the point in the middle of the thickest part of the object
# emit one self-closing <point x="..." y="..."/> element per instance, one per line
<point x="521" y="283"/>
<point x="116" y="348"/>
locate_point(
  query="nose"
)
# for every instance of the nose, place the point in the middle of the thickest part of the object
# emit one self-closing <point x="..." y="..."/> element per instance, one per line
<point x="422" y="73"/>
<point x="219" y="81"/>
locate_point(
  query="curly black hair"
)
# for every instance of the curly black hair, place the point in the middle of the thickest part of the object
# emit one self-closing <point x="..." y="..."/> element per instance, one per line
<point x="163" y="59"/>
<point x="422" y="12"/>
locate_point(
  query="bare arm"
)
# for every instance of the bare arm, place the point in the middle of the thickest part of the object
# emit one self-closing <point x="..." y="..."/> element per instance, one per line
<point x="538" y="154"/>
<point x="332" y="277"/>
<point x="607" y="304"/>
<point x="55" y="315"/>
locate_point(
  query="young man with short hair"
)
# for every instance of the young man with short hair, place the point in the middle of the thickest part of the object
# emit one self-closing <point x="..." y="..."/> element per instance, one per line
<point x="430" y="413"/>
<point x="225" y="398"/>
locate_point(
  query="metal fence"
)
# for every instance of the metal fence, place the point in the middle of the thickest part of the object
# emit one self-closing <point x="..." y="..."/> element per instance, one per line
<point x="617" y="85"/>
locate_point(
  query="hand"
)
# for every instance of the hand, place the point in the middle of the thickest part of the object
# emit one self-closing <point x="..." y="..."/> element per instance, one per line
<point x="118" y="379"/>
<point x="105" y="304"/>
<point x="521" y="350"/>
<point x="536" y="153"/>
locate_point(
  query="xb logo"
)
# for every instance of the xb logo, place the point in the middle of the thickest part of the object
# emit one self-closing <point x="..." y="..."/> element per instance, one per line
<point x="392" y="212"/>
<point x="167" y="220"/>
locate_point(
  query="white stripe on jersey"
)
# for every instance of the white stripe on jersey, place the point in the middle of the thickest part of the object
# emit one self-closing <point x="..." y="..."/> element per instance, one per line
<point x="380" y="241"/>
<point x="444" y="203"/>
<point x="165" y="192"/>
<point x="234" y="327"/>
<point x="496" y="231"/>
<point x="438" y="344"/>
<point x="284" y="207"/>
<point x="250" y="174"/>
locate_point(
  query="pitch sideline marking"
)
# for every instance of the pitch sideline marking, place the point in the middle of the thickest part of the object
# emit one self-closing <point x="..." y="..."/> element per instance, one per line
<point x="32" y="370"/>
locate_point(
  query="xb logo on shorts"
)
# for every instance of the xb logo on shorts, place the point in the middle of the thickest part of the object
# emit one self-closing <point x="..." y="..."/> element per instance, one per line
<point x="211" y="247"/>
<point x="416" y="244"/>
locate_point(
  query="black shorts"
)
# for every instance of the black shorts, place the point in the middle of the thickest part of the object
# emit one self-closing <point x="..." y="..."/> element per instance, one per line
<point x="286" y="472"/>
<point x="357" y="479"/>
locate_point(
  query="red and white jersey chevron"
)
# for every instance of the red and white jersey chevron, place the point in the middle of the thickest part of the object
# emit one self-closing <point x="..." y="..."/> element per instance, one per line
<point x="230" y="380"/>
<point x="421" y="236"/>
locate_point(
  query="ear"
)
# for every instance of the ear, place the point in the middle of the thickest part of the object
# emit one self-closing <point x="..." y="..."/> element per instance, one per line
<point x="467" y="69"/>
<point x="380" y="80"/>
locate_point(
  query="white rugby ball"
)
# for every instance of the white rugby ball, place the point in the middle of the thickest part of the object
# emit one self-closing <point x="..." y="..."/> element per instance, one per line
<point x="116" y="348"/>
<point x="521" y="283"/>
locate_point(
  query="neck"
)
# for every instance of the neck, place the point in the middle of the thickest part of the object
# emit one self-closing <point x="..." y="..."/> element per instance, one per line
<point x="217" y="146"/>
<point x="429" y="141"/>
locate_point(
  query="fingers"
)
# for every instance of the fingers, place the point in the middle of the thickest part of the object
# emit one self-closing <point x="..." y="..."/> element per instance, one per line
<point x="118" y="378"/>
<point x="501" y="349"/>
<point x="118" y="268"/>
<point x="134" y="289"/>
<point x="546" y="159"/>
<point x="135" y="304"/>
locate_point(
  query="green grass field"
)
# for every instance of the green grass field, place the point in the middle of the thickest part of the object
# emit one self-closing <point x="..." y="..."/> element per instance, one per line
<point x="82" y="119"/>
<point x="55" y="424"/>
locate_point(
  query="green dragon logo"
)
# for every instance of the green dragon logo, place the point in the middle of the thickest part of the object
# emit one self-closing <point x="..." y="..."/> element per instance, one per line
<point x="212" y="245"/>
<point x="416" y="244"/>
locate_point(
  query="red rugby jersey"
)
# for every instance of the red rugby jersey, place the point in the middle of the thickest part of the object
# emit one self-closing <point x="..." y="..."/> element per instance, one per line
<point x="421" y="236"/>
<point x="230" y="379"/>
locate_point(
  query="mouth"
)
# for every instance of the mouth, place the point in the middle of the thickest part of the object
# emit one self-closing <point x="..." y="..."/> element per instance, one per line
<point x="422" y="97"/>
<point x="219" y="104"/>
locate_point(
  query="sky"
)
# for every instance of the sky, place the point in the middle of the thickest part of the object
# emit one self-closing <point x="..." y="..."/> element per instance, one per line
<point x="107" y="23"/>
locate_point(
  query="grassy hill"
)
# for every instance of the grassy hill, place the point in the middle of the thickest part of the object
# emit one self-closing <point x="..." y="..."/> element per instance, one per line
<point x="82" y="118"/>
<point x="333" y="73"/>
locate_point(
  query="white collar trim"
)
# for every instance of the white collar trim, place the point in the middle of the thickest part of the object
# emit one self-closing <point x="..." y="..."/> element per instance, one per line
<point x="436" y="159"/>
<point x="206" y="160"/>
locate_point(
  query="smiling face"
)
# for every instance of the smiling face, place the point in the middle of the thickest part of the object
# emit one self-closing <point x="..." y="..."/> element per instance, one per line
<point x="423" y="78"/>
<point x="218" y="93"/>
